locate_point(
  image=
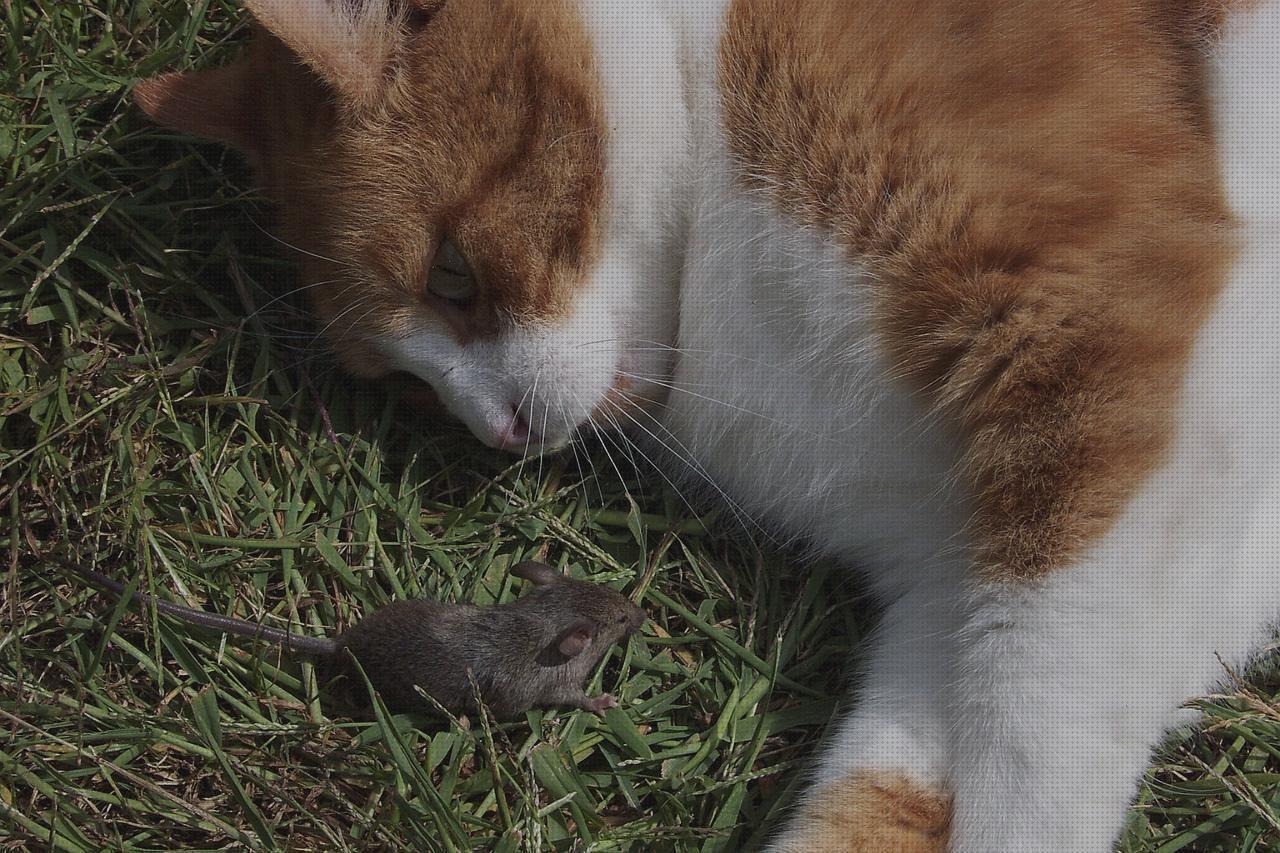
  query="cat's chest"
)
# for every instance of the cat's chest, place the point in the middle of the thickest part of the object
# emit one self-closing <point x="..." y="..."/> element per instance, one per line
<point x="782" y="399"/>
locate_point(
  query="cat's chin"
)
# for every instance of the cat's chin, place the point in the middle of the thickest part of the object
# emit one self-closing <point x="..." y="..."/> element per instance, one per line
<point x="538" y="450"/>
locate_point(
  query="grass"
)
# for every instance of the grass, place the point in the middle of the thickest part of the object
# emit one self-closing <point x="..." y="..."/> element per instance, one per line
<point x="166" y="414"/>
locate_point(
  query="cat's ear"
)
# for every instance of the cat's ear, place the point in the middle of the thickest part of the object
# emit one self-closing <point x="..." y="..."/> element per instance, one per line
<point x="349" y="43"/>
<point x="210" y="103"/>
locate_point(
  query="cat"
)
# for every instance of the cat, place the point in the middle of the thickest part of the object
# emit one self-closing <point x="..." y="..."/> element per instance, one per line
<point x="977" y="296"/>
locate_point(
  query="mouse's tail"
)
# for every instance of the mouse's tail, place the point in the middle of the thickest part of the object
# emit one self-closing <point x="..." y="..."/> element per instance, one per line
<point x="213" y="621"/>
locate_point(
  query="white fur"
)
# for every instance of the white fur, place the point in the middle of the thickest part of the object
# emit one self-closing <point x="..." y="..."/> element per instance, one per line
<point x="553" y="375"/>
<point x="1036" y="705"/>
<point x="1247" y="78"/>
<point x="557" y="375"/>
<point x="1063" y="689"/>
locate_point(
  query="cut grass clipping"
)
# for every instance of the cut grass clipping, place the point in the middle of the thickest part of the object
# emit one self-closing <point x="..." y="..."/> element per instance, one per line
<point x="167" y="415"/>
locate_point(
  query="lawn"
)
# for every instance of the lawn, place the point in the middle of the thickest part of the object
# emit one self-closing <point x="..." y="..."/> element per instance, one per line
<point x="167" y="415"/>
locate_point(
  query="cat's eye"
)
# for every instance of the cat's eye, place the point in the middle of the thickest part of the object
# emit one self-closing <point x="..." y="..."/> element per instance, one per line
<point x="450" y="277"/>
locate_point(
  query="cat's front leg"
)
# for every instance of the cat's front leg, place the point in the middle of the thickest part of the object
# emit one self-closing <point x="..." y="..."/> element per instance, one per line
<point x="881" y="785"/>
<point x="1065" y="687"/>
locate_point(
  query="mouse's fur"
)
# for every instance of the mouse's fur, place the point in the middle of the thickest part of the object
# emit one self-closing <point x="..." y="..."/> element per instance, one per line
<point x="536" y="651"/>
<point x="977" y="296"/>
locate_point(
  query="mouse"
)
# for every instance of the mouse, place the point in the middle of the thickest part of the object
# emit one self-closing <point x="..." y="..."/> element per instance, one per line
<point x="536" y="651"/>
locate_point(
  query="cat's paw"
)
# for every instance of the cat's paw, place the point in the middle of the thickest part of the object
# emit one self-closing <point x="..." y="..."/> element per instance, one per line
<point x="599" y="704"/>
<point x="869" y="812"/>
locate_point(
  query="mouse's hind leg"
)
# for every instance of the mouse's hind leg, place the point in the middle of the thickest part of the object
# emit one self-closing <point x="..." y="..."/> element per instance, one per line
<point x="881" y="781"/>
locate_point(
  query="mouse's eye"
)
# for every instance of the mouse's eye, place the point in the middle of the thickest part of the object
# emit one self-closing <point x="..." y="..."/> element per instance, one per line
<point x="622" y="620"/>
<point x="450" y="277"/>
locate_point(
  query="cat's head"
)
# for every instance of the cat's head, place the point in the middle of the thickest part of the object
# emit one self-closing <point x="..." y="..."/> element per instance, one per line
<point x="481" y="193"/>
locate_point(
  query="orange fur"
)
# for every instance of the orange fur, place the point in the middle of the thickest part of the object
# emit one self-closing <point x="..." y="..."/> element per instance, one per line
<point x="487" y="127"/>
<point x="350" y="45"/>
<point x="1031" y="188"/>
<point x="870" y="813"/>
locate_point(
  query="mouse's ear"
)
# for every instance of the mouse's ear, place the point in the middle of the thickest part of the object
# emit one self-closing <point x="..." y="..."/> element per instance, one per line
<point x="540" y="574"/>
<point x="576" y="637"/>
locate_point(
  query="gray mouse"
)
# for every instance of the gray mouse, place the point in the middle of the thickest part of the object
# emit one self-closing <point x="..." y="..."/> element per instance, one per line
<point x="535" y="651"/>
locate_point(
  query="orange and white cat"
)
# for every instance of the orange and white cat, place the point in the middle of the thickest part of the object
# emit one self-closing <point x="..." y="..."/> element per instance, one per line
<point x="980" y="296"/>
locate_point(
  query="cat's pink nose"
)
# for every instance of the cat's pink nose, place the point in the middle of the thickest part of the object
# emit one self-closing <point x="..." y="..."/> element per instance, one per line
<point x="516" y="434"/>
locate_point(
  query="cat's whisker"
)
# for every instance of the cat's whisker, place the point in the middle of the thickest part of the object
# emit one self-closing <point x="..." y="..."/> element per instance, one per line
<point x="542" y="451"/>
<point x="347" y="332"/>
<point x="618" y="433"/>
<point x="293" y="291"/>
<point x="687" y="458"/>
<point x="688" y="461"/>
<point x="674" y="387"/>
<point x="702" y="354"/>
<point x="341" y="264"/>
<point x="577" y="458"/>
<point x="355" y="304"/>
<point x="533" y="397"/>
<point x="621" y="479"/>
<point x="660" y="378"/>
